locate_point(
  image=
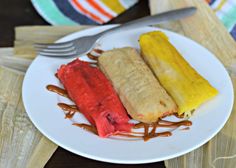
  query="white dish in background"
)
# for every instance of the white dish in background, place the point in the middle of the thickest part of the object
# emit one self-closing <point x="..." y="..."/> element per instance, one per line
<point x="41" y="105"/>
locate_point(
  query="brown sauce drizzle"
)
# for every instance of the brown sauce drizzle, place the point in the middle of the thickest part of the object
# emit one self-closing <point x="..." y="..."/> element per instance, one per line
<point x="129" y="135"/>
<point x="87" y="127"/>
<point x="170" y="124"/>
<point x="98" y="51"/>
<point x="154" y="127"/>
<point x="92" y="57"/>
<point x="186" y="128"/>
<point x="163" y="123"/>
<point x="57" y="90"/>
<point x="138" y="125"/>
<point x="159" y="134"/>
<point x="69" y="109"/>
<point x="179" y="116"/>
<point x="146" y="135"/>
<point x="93" y="63"/>
<point x="160" y="123"/>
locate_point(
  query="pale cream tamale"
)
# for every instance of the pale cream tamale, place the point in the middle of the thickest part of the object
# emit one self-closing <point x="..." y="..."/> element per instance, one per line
<point x="188" y="88"/>
<point x="140" y="92"/>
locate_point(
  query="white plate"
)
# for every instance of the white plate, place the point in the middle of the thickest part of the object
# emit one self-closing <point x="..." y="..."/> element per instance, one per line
<point x="41" y="105"/>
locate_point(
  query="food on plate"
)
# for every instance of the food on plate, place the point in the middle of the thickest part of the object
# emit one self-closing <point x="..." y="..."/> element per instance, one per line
<point x="188" y="88"/>
<point x="95" y="97"/>
<point x="119" y="81"/>
<point x="140" y="92"/>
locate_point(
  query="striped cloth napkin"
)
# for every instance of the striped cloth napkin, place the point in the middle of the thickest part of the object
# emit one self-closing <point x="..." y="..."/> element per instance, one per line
<point x="74" y="12"/>
<point x="226" y="12"/>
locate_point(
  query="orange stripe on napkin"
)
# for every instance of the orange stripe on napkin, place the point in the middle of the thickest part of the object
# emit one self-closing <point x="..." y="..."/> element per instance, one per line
<point x="99" y="8"/>
<point x="86" y="12"/>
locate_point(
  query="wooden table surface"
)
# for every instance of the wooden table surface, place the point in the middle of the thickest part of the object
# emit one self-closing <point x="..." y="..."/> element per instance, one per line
<point x="16" y="14"/>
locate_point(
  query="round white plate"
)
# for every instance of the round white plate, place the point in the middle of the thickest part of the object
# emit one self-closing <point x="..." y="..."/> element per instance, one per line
<point x="41" y="105"/>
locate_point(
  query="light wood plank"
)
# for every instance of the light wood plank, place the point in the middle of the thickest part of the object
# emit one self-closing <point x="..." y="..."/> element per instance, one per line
<point x="163" y="6"/>
<point x="15" y="63"/>
<point x="23" y="45"/>
<point x="6" y="51"/>
<point x="18" y="137"/>
<point x="41" y="153"/>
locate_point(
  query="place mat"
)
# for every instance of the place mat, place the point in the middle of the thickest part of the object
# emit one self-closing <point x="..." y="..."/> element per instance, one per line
<point x="205" y="28"/>
<point x="21" y="144"/>
<point x="23" y="45"/>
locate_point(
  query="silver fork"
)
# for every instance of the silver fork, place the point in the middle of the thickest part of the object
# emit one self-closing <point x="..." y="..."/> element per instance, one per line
<point x="84" y="44"/>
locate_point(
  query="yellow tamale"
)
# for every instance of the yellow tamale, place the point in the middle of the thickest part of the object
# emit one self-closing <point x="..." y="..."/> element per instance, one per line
<point x="188" y="88"/>
<point x="140" y="92"/>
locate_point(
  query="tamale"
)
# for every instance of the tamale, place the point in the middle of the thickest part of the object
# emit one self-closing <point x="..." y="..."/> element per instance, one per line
<point x="94" y="95"/>
<point x="140" y="92"/>
<point x="188" y="88"/>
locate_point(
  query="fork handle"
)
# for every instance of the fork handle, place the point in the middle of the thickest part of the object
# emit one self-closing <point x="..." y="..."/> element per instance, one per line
<point x="151" y="20"/>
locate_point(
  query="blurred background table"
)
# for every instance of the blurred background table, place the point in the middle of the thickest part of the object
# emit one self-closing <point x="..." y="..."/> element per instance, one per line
<point x="12" y="14"/>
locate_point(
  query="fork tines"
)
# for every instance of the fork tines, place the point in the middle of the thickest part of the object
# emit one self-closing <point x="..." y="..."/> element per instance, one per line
<point x="58" y="49"/>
